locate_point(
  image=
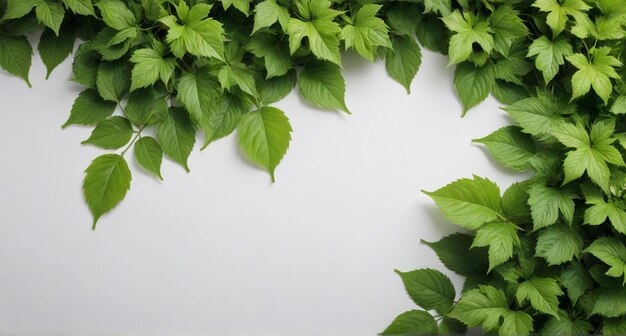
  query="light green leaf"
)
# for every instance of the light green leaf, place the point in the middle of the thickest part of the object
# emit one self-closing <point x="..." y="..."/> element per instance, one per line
<point x="50" y="14"/>
<point x="483" y="306"/>
<point x="367" y="33"/>
<point x="83" y="7"/>
<point x="18" y="8"/>
<point x="241" y="5"/>
<point x="516" y="323"/>
<point x="112" y="133"/>
<point x="473" y="84"/>
<point x="507" y="26"/>
<point x="468" y="29"/>
<point x="322" y="85"/>
<point x="177" y="135"/>
<point x="542" y="293"/>
<point x="442" y="7"/>
<point x="469" y="203"/>
<point x="501" y="238"/>
<point x="546" y="203"/>
<point x="538" y="115"/>
<point x="199" y="93"/>
<point x="619" y="105"/>
<point x="403" y="60"/>
<point x="318" y="27"/>
<point x="149" y="67"/>
<point x="16" y="56"/>
<point x="269" y="12"/>
<point x="116" y="15"/>
<point x="414" y="322"/>
<point x="106" y="182"/>
<point x="612" y="252"/>
<point x="595" y="72"/>
<point x="238" y="75"/>
<point x="264" y="137"/>
<point x="149" y="154"/>
<point x="510" y="147"/>
<point x="89" y="109"/>
<point x="273" y="51"/>
<point x="549" y="55"/>
<point x="113" y="80"/>
<point x="558" y="11"/>
<point x="559" y="244"/>
<point x="429" y="289"/>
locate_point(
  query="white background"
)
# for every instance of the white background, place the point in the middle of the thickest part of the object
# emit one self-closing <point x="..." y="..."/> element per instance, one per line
<point x="221" y="250"/>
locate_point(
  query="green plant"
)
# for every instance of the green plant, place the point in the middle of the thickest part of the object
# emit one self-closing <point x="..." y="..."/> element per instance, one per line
<point x="548" y="255"/>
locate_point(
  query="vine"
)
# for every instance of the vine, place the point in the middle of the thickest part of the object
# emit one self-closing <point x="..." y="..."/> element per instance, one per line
<point x="548" y="255"/>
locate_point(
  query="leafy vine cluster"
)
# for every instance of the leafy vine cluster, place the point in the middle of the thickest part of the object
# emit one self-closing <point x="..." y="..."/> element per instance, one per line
<point x="546" y="256"/>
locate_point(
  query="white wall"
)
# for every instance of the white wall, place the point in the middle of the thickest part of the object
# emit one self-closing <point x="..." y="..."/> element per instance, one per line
<point x="221" y="250"/>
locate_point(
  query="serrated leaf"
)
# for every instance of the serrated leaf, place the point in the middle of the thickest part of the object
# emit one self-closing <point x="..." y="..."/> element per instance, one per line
<point x="16" y="56"/>
<point x="612" y="252"/>
<point x="150" y="66"/>
<point x="483" y="306"/>
<point x="403" y="60"/>
<point x="546" y="203"/>
<point x="177" y="135"/>
<point x="225" y="117"/>
<point x="145" y="106"/>
<point x="275" y="54"/>
<point x="50" y="14"/>
<point x="322" y="85"/>
<point x="473" y="84"/>
<point x="538" y="115"/>
<point x="564" y="325"/>
<point x="610" y="302"/>
<point x="515" y="203"/>
<point x="89" y="109"/>
<point x="367" y="33"/>
<point x="274" y="89"/>
<point x="576" y="280"/>
<point x="85" y="65"/>
<point x="83" y="7"/>
<point x="507" y="26"/>
<point x="149" y="154"/>
<point x="559" y="244"/>
<point x="241" y="5"/>
<point x="510" y="147"/>
<point x="55" y="49"/>
<point x="516" y="323"/>
<point x="413" y="322"/>
<point x="542" y="293"/>
<point x="269" y="12"/>
<point x="429" y="289"/>
<point x="18" y="8"/>
<point x="501" y="238"/>
<point x="116" y="15"/>
<point x="198" y="92"/>
<point x="318" y="26"/>
<point x="113" y="80"/>
<point x="558" y="12"/>
<point x="112" y="133"/>
<point x="264" y="137"/>
<point x="595" y="72"/>
<point x="469" y="202"/>
<point x="456" y="254"/>
<point x="550" y="54"/>
<point x="468" y="30"/>
<point x="106" y="182"/>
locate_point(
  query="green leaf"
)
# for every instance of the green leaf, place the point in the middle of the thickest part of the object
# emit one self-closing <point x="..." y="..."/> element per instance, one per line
<point x="106" y="182"/>
<point x="559" y="244"/>
<point x="198" y="35"/>
<point x="198" y="92"/>
<point x="145" y="106"/>
<point x="55" y="49"/>
<point x="116" y="15"/>
<point x="456" y="254"/>
<point x="112" y="133"/>
<point x="149" y="154"/>
<point x="83" y="7"/>
<point x="450" y="326"/>
<point x="50" y="14"/>
<point x="501" y="238"/>
<point x="264" y="137"/>
<point x="113" y="80"/>
<point x="413" y="322"/>
<point x="612" y="252"/>
<point x="322" y="85"/>
<point x="538" y="115"/>
<point x="89" y="109"/>
<point x="510" y="147"/>
<point x="507" y="26"/>
<point x="619" y="105"/>
<point x="224" y="119"/>
<point x="468" y="29"/>
<point x="18" y="8"/>
<point x="177" y="135"/>
<point x="576" y="279"/>
<point x="595" y="72"/>
<point x="515" y="203"/>
<point x="274" y="89"/>
<point x="559" y="10"/>
<point x="16" y="56"/>
<point x="269" y="12"/>
<point x="237" y="75"/>
<point x="610" y="302"/>
<point x="469" y="203"/>
<point x="483" y="306"/>
<point x="546" y="203"/>
<point x="614" y="326"/>
<point x="242" y="5"/>
<point x="318" y="27"/>
<point x="367" y="33"/>
<point x="402" y="17"/>
<point x="473" y="84"/>
<point x="85" y="65"/>
<point x="150" y="66"/>
<point x="516" y="323"/>
<point x="429" y="289"/>
<point x="442" y="7"/>
<point x="564" y="325"/>
<point x="550" y="54"/>
<point x="273" y="51"/>
<point x="542" y="293"/>
<point x="433" y="34"/>
<point x="403" y="60"/>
